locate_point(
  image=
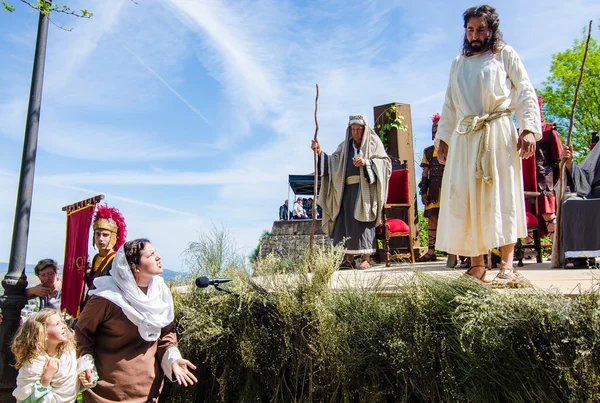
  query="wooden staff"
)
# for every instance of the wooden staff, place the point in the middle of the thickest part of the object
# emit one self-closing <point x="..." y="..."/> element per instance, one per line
<point x="557" y="260"/>
<point x="316" y="186"/>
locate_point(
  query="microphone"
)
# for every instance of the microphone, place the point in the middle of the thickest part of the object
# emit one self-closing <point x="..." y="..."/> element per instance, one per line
<point x="204" y="281"/>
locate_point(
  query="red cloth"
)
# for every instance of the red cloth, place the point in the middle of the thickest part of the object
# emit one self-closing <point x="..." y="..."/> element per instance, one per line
<point x="397" y="194"/>
<point x="555" y="146"/>
<point x="529" y="174"/>
<point x="76" y="256"/>
<point x="531" y="219"/>
<point x="547" y="204"/>
<point x="398" y="187"/>
<point x="395" y="225"/>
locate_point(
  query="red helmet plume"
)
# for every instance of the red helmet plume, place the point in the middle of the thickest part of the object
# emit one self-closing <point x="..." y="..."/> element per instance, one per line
<point x="111" y="219"/>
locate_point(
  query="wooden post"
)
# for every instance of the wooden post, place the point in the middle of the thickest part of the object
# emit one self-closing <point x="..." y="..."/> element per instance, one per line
<point x="400" y="145"/>
<point x="557" y="252"/>
<point x="316" y="186"/>
<point x="83" y="203"/>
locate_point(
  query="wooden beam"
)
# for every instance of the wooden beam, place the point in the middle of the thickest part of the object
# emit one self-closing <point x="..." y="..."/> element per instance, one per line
<point x="83" y="203"/>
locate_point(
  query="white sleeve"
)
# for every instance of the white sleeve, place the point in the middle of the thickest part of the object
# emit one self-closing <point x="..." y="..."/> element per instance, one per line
<point x="171" y="355"/>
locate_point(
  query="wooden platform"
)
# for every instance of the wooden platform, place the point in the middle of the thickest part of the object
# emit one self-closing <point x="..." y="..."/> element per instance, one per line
<point x="540" y="275"/>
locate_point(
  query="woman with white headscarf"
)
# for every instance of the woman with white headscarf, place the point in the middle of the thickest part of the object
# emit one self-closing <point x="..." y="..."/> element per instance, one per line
<point x="127" y="329"/>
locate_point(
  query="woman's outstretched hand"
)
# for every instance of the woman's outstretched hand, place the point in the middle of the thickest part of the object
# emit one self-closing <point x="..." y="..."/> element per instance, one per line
<point x="182" y="373"/>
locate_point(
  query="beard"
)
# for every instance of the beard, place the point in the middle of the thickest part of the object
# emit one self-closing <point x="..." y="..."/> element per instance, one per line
<point x="477" y="45"/>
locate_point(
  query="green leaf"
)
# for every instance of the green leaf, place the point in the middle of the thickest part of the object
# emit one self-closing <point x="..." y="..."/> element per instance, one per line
<point x="559" y="88"/>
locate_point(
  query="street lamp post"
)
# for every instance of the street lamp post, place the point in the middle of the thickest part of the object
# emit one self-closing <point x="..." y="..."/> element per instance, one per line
<point x="15" y="281"/>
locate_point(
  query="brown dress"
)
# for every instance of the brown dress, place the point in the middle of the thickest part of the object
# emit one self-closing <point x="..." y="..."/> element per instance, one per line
<point x="128" y="366"/>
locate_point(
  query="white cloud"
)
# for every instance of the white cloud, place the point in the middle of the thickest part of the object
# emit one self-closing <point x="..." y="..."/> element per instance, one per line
<point x="163" y="178"/>
<point x="155" y="74"/>
<point x="240" y="58"/>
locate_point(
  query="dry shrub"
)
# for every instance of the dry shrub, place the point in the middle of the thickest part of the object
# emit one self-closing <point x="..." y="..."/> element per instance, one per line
<point x="289" y="338"/>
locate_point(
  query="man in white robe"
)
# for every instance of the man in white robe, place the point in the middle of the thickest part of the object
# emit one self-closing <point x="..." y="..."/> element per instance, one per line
<point x="482" y="203"/>
<point x="354" y="187"/>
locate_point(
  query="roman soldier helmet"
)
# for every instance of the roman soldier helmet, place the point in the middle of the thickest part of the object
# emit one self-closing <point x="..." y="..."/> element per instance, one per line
<point x="109" y="218"/>
<point x="435" y="120"/>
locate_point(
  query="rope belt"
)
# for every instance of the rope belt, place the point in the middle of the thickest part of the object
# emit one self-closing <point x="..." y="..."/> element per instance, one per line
<point x="351" y="180"/>
<point x="473" y="124"/>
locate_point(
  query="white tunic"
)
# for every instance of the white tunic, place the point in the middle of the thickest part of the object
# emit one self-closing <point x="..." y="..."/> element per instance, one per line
<point x="64" y="382"/>
<point x="476" y="216"/>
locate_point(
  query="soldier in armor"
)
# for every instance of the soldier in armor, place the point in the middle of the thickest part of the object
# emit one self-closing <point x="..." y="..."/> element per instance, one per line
<point x="429" y="188"/>
<point x="109" y="235"/>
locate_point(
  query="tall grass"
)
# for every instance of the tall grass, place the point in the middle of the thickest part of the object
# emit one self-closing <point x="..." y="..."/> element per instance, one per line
<point x="213" y="253"/>
<point x="289" y="338"/>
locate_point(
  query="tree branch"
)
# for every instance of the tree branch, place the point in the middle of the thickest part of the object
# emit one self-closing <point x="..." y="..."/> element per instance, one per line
<point x="557" y="259"/>
<point x="45" y="7"/>
<point x="59" y="26"/>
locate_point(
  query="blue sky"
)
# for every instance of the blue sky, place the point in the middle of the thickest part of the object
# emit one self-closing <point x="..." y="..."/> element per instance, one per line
<point x="187" y="113"/>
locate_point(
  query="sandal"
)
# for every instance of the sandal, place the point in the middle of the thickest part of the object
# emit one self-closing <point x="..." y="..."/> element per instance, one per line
<point x="364" y="265"/>
<point x="346" y="265"/>
<point x="465" y="263"/>
<point x="576" y="263"/>
<point x="550" y="222"/>
<point x="505" y="275"/>
<point x="480" y="278"/>
<point x="427" y="257"/>
<point x="528" y="240"/>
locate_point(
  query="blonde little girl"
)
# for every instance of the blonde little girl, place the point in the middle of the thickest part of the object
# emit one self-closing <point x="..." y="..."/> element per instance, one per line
<point x="44" y="350"/>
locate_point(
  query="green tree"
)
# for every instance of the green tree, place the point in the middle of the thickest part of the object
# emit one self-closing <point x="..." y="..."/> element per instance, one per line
<point x="47" y="7"/>
<point x="256" y="251"/>
<point x="559" y="89"/>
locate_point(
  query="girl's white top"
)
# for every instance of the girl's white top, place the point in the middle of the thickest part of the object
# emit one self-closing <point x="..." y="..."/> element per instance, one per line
<point x="64" y="382"/>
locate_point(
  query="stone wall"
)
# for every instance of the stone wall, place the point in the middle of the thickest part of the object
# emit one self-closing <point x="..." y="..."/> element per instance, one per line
<point x="290" y="238"/>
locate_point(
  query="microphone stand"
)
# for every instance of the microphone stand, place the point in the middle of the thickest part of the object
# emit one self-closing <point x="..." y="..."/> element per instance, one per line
<point x="218" y="287"/>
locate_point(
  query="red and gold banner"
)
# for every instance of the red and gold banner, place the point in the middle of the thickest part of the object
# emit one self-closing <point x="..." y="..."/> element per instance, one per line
<point x="76" y="256"/>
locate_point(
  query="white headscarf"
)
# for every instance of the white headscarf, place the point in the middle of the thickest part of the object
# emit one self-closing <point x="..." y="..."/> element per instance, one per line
<point x="150" y="312"/>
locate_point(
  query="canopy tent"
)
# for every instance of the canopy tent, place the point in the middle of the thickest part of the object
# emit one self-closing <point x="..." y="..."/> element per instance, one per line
<point x="303" y="184"/>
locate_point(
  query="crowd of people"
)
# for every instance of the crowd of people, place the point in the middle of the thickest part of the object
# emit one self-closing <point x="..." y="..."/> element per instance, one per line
<point x="302" y="210"/>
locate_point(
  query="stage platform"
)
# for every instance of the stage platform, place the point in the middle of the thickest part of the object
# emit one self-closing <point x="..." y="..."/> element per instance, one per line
<point x="537" y="275"/>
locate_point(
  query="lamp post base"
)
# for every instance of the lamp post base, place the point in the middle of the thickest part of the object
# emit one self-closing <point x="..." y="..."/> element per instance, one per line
<point x="12" y="302"/>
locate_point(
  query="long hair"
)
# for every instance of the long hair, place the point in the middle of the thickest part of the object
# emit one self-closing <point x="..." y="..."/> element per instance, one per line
<point x="30" y="340"/>
<point x="493" y="22"/>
